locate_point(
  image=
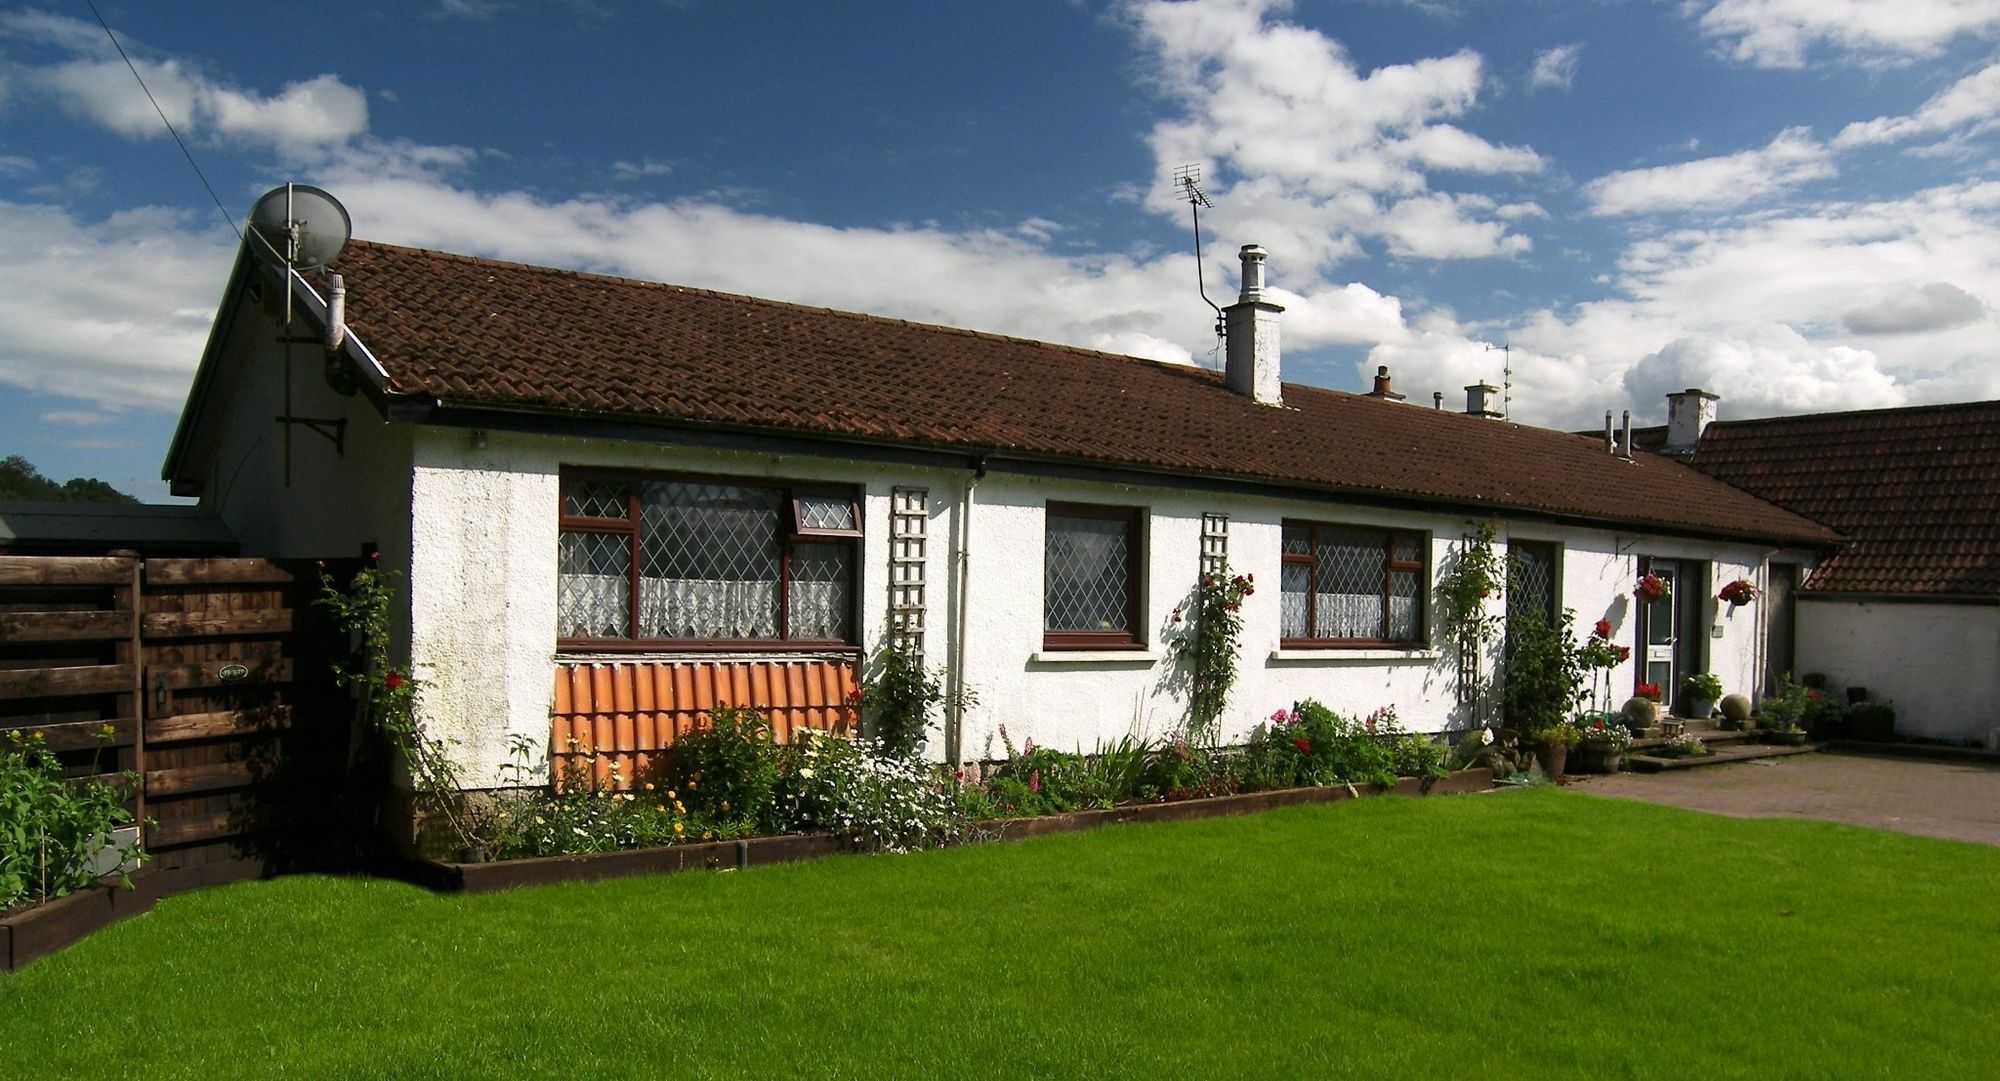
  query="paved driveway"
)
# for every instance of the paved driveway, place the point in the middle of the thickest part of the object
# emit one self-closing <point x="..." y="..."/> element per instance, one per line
<point x="1935" y="799"/>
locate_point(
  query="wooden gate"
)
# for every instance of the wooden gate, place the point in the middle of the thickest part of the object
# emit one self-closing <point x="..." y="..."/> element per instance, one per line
<point x="207" y="678"/>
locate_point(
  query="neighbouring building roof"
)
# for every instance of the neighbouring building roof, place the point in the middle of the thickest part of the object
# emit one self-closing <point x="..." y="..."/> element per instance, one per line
<point x="96" y="528"/>
<point x="469" y="332"/>
<point x="1916" y="490"/>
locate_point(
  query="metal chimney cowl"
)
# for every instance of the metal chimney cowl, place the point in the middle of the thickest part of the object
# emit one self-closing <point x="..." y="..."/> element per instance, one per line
<point x="1251" y="324"/>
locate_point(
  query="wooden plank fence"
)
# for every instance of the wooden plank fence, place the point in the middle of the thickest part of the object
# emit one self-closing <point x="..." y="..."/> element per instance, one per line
<point x="207" y="678"/>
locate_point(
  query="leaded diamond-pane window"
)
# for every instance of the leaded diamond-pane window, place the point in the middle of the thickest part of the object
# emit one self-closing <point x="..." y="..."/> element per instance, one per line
<point x="1531" y="582"/>
<point x="717" y="562"/>
<point x="1090" y="576"/>
<point x="586" y="498"/>
<point x="1351" y="584"/>
<point x="826" y="514"/>
<point x="594" y="585"/>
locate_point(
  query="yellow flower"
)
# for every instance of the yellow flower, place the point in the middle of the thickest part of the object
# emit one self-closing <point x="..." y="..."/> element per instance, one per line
<point x="679" y="808"/>
<point x="108" y="731"/>
<point x="671" y="794"/>
<point x="693" y="782"/>
<point x="705" y="835"/>
<point x="649" y="786"/>
<point x="679" y="828"/>
<point x="725" y="805"/>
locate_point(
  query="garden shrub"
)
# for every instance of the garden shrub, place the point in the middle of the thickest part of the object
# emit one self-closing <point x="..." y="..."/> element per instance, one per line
<point x="900" y="697"/>
<point x="871" y="798"/>
<point x="52" y="831"/>
<point x="728" y="771"/>
<point x="1042" y="780"/>
<point x="1180" y="770"/>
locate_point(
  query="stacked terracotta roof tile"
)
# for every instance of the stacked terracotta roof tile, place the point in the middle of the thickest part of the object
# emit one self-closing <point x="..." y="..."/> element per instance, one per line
<point x="472" y="331"/>
<point x="1917" y="491"/>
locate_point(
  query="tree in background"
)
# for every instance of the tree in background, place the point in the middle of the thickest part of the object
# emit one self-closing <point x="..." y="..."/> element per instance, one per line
<point x="20" y="480"/>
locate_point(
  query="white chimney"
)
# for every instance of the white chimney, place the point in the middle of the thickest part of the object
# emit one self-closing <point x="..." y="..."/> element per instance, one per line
<point x="1479" y="400"/>
<point x="1688" y="415"/>
<point x="1252" y="328"/>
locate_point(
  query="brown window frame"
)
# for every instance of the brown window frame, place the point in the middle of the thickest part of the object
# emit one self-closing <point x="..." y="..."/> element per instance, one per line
<point x="630" y="527"/>
<point x="1390" y="565"/>
<point x="1131" y="638"/>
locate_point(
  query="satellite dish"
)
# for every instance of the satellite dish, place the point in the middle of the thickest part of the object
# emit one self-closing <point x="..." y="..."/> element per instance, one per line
<point x="303" y="224"/>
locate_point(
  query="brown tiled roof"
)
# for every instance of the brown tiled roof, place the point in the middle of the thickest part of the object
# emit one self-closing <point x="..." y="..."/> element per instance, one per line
<point x="1916" y="490"/>
<point x="472" y="331"/>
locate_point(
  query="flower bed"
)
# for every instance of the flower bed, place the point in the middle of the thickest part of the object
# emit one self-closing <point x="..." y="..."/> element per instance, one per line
<point x="748" y="852"/>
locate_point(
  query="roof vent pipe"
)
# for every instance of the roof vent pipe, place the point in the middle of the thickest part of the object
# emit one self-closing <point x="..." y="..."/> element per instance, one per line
<point x="1252" y="328"/>
<point x="1628" y="435"/>
<point x="1610" y="447"/>
<point x="1437" y="399"/>
<point x="336" y="311"/>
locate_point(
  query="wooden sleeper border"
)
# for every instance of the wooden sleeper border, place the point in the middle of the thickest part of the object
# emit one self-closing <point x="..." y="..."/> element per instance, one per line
<point x="751" y="852"/>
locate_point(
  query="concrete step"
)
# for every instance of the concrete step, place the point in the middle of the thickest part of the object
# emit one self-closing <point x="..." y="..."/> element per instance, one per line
<point x="1709" y="736"/>
<point x="1733" y="752"/>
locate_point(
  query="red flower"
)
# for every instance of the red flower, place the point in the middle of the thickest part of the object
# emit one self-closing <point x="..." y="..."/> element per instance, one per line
<point x="1303" y="744"/>
<point x="393" y="680"/>
<point x="1624" y="653"/>
<point x="1649" y="690"/>
<point x="1602" y="629"/>
<point x="854" y="697"/>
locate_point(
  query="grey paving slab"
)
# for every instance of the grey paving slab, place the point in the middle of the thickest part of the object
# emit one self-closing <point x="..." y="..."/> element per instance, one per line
<point x="1956" y="800"/>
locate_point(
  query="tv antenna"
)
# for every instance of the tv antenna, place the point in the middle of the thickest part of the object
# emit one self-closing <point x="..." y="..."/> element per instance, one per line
<point x="1506" y="378"/>
<point x="1188" y="179"/>
<point x="306" y="228"/>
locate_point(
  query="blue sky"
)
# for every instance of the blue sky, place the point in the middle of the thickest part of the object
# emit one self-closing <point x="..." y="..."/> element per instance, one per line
<point x="1783" y="201"/>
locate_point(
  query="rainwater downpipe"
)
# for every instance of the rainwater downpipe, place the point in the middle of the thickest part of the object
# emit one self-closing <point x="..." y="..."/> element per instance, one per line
<point x="962" y="582"/>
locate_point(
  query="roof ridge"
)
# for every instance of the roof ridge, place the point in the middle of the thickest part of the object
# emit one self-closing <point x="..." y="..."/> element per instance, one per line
<point x="867" y="317"/>
<point x="1931" y="407"/>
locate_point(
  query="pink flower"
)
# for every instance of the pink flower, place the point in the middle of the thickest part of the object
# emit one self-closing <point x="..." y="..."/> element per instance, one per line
<point x="1035" y="780"/>
<point x="1279" y="716"/>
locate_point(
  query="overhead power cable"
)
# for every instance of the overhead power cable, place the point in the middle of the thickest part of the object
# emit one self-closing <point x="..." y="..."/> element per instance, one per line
<point x="163" y="119"/>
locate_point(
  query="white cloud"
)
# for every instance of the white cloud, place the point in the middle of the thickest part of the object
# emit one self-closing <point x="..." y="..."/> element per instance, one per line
<point x="316" y="112"/>
<point x="470" y="10"/>
<point x="627" y="171"/>
<point x="1313" y="155"/>
<point x="1555" y="67"/>
<point x="304" y="115"/>
<point x="1972" y="102"/>
<point x="78" y="418"/>
<point x="114" y="313"/>
<point x="1776" y="371"/>
<point x="1790" y="159"/>
<point x="1780" y="33"/>
<point x="1915" y="310"/>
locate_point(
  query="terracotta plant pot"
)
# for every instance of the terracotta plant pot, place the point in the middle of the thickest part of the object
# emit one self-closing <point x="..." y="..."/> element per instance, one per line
<point x="1552" y="757"/>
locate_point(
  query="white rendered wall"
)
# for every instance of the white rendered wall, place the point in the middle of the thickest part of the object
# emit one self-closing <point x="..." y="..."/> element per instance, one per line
<point x="483" y="569"/>
<point x="338" y="499"/>
<point x="483" y="581"/>
<point x="1939" y="663"/>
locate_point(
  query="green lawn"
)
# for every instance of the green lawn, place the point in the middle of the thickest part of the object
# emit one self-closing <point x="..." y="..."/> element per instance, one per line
<point x="1529" y="934"/>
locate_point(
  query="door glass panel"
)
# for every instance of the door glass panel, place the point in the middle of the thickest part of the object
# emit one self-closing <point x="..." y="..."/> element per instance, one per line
<point x="1660" y="673"/>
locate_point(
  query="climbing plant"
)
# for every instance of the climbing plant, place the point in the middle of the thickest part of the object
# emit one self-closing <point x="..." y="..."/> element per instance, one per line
<point x="1208" y="645"/>
<point x="391" y="698"/>
<point x="1473" y="575"/>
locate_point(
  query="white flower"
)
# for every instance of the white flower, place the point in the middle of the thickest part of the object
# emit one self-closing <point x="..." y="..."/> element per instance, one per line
<point x="1486" y="736"/>
<point x="806" y="772"/>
